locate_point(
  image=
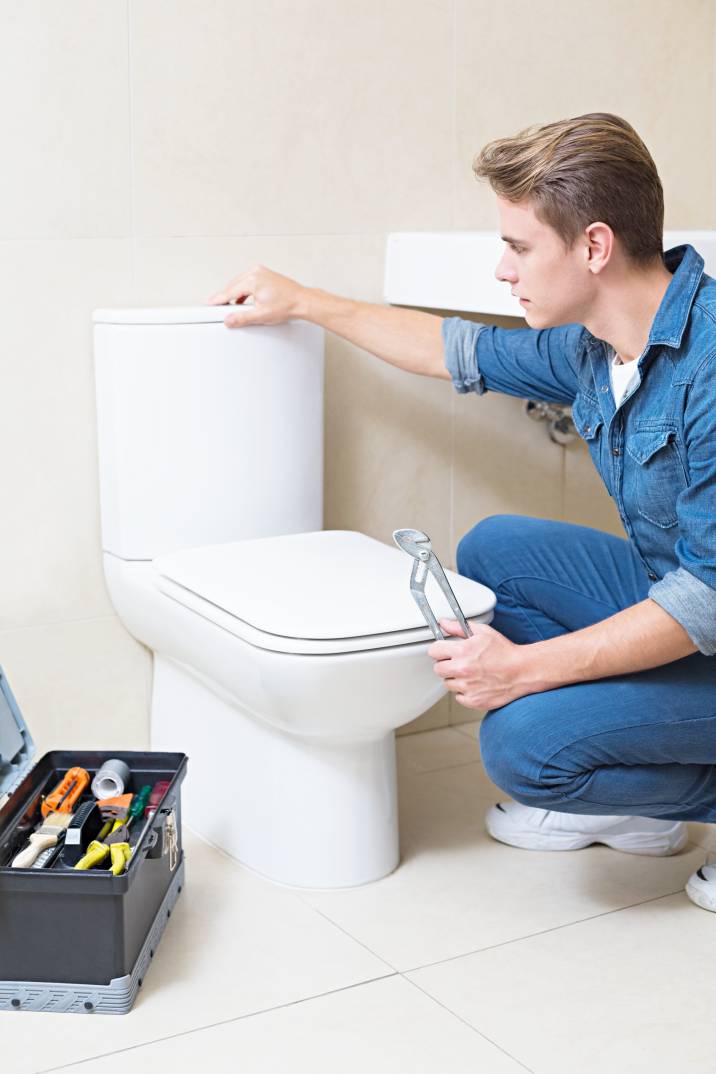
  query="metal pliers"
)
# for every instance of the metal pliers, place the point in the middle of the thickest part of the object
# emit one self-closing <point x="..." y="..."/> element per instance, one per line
<point x="417" y="544"/>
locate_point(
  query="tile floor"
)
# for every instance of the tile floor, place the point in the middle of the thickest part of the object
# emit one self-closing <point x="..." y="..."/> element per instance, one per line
<point x="472" y="956"/>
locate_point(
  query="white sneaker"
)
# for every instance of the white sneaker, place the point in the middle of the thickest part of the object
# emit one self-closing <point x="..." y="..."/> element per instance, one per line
<point x="701" y="887"/>
<point x="545" y="829"/>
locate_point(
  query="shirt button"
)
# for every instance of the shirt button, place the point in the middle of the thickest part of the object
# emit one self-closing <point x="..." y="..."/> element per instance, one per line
<point x="605" y="387"/>
<point x="616" y="451"/>
<point x="652" y="577"/>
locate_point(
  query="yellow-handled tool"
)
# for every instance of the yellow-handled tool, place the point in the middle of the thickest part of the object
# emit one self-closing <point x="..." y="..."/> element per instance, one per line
<point x="96" y="853"/>
<point x="120" y="855"/>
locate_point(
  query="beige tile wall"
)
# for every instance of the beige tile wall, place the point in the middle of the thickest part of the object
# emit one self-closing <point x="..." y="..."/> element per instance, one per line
<point x="153" y="149"/>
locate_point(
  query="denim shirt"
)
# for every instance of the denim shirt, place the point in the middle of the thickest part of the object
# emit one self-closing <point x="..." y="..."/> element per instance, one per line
<point x="656" y="451"/>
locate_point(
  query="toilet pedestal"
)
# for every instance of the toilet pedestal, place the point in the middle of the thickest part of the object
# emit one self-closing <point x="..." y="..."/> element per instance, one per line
<point x="302" y="811"/>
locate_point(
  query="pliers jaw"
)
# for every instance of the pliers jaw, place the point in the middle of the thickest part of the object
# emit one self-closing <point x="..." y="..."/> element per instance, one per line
<point x="417" y="544"/>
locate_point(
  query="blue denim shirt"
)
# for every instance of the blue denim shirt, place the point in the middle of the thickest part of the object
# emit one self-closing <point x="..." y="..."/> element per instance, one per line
<point x="656" y="451"/>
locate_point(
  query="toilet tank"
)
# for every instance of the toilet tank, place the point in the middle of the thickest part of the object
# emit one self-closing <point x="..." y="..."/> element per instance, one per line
<point x="206" y="434"/>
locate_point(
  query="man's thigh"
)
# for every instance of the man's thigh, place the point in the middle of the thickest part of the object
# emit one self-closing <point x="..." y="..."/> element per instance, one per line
<point x="550" y="577"/>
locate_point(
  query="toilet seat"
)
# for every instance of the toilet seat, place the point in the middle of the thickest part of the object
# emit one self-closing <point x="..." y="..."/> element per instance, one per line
<point x="320" y="593"/>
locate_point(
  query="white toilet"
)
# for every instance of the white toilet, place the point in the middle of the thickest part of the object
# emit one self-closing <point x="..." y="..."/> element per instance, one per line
<point x="284" y="656"/>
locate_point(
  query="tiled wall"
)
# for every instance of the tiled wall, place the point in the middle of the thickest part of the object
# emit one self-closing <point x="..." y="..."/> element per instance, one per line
<point x="155" y="148"/>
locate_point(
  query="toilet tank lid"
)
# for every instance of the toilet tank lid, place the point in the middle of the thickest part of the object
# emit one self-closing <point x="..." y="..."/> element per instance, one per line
<point x="164" y="315"/>
<point x="328" y="584"/>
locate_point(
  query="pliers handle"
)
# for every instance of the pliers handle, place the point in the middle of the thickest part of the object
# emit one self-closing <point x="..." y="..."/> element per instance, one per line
<point x="417" y="544"/>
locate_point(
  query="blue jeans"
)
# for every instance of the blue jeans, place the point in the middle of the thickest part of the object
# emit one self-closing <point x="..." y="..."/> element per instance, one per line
<point x="640" y="744"/>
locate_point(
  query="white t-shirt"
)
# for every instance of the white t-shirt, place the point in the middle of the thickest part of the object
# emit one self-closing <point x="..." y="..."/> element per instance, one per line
<point x="622" y="375"/>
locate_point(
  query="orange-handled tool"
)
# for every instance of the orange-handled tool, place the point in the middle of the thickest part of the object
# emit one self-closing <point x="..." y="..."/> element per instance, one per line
<point x="66" y="793"/>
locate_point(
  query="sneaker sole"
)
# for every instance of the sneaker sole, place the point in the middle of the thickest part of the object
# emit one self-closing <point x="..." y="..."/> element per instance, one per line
<point x="670" y="842"/>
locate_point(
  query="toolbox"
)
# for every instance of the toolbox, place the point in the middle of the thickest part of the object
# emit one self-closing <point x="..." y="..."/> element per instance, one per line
<point x="80" y="940"/>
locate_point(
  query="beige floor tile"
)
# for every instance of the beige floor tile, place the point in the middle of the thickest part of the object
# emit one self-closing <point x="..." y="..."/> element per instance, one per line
<point x="431" y="750"/>
<point x="457" y="890"/>
<point x="703" y="835"/>
<point x="235" y="945"/>
<point x="631" y="991"/>
<point x="385" y="1026"/>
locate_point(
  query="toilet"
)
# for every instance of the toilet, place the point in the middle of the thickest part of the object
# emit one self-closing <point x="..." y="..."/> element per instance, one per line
<point x="284" y="655"/>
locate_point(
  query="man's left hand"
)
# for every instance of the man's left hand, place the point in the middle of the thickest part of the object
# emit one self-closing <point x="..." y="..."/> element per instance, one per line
<point x="484" y="671"/>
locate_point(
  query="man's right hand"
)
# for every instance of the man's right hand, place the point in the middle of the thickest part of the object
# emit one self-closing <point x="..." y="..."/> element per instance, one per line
<point x="274" y="298"/>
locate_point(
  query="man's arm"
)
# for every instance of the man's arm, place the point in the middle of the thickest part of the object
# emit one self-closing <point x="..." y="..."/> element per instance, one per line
<point x="408" y="339"/>
<point x="488" y="670"/>
<point x="640" y="637"/>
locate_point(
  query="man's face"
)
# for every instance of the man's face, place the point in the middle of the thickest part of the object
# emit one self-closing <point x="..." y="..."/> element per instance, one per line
<point x="554" y="284"/>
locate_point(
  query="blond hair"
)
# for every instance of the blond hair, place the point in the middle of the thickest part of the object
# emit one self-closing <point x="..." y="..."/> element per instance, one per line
<point x="579" y="171"/>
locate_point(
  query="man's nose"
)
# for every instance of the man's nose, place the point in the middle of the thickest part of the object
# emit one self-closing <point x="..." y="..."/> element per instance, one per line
<point x="505" y="272"/>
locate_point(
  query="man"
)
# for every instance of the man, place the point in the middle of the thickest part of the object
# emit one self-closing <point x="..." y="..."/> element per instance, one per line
<point x="598" y="670"/>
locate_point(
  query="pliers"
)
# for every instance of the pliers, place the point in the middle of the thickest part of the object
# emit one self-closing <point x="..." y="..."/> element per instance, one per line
<point x="417" y="544"/>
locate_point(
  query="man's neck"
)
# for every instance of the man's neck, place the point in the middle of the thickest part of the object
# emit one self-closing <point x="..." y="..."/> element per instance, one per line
<point x="626" y="308"/>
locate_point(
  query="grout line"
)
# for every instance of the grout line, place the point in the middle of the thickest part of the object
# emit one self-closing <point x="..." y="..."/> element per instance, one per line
<point x="470" y="1026"/>
<point x="543" y="932"/>
<point x="215" y="1025"/>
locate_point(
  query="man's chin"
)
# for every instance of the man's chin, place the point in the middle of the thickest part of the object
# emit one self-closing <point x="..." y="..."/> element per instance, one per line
<point x="540" y="319"/>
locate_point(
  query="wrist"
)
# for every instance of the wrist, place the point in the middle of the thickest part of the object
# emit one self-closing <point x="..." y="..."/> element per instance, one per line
<point x="536" y="666"/>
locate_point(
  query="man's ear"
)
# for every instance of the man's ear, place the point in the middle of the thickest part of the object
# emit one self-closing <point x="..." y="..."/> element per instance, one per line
<point x="599" y="246"/>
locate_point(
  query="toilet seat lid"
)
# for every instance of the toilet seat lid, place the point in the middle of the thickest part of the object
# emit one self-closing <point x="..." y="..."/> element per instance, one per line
<point x="327" y="591"/>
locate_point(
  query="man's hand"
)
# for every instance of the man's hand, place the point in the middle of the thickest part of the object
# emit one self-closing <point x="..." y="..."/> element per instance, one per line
<point x="275" y="298"/>
<point x="485" y="671"/>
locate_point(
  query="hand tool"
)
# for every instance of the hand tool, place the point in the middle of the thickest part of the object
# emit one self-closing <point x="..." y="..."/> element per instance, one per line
<point x="46" y="859"/>
<point x="115" y="807"/>
<point x="95" y="855"/>
<point x="119" y="833"/>
<point x="66" y="793"/>
<point x="112" y="779"/>
<point x="417" y="544"/>
<point x="120" y="853"/>
<point x="83" y="828"/>
<point x="16" y="840"/>
<point x="159" y="789"/>
<point x="45" y="837"/>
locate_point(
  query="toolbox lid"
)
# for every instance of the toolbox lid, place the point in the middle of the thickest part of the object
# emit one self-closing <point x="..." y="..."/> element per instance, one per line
<point x="326" y="587"/>
<point x="17" y="748"/>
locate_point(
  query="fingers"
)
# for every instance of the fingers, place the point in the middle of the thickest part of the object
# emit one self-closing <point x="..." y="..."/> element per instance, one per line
<point x="452" y="627"/>
<point x="237" y="290"/>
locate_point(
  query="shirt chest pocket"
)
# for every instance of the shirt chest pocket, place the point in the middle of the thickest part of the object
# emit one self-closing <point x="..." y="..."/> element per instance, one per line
<point x="656" y="474"/>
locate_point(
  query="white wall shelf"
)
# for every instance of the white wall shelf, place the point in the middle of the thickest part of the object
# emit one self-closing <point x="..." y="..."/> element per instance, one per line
<point x="455" y="270"/>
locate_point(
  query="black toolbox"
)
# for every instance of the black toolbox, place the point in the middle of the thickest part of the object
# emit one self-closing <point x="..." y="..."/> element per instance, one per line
<point x="81" y="941"/>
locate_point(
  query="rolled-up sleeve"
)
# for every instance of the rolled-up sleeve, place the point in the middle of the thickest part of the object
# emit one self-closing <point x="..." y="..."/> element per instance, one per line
<point x="689" y="592"/>
<point x="526" y="362"/>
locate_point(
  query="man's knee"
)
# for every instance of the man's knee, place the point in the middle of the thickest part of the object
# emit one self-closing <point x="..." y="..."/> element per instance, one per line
<point x="514" y="748"/>
<point x="481" y="552"/>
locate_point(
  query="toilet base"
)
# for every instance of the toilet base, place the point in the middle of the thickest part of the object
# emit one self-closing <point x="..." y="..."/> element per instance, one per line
<point x="304" y="811"/>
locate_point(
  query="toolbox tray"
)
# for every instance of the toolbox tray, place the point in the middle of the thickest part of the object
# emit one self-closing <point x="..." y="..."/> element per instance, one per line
<point x="85" y="928"/>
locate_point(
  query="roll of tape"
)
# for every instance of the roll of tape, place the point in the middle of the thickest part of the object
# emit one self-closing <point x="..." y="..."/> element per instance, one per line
<point x="111" y="780"/>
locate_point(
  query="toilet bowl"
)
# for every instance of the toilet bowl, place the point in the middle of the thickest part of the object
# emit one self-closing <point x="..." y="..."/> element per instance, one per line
<point x="284" y="655"/>
<point x="283" y="666"/>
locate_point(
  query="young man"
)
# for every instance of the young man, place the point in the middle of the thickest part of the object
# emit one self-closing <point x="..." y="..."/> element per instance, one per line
<point x="598" y="670"/>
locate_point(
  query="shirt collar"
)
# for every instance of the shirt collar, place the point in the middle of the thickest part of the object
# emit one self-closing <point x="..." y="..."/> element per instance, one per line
<point x="673" y="314"/>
